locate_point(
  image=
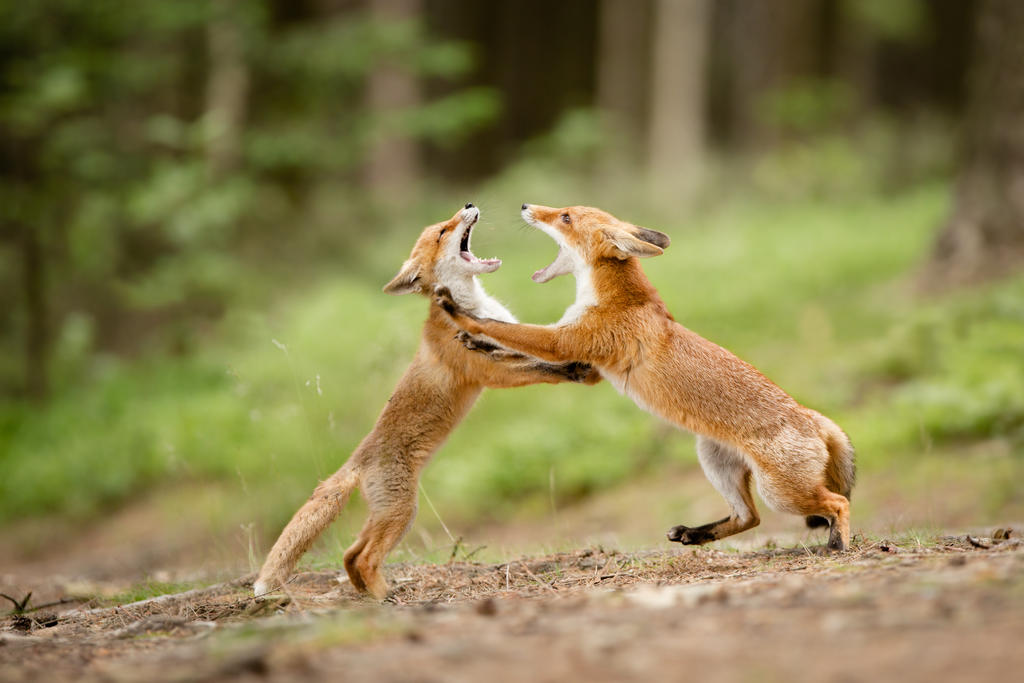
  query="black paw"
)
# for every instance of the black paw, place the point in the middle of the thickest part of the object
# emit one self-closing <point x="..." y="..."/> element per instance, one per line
<point x="443" y="298"/>
<point x="483" y="346"/>
<point x="579" y="372"/>
<point x="835" y="543"/>
<point x="467" y="340"/>
<point x="689" y="536"/>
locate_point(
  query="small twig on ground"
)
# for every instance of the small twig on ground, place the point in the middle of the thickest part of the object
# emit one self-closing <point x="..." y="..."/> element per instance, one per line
<point x="592" y="580"/>
<point x="543" y="583"/>
<point x="160" y="599"/>
<point x="19" y="607"/>
<point x="473" y="552"/>
<point x="62" y="601"/>
<point x="455" y="549"/>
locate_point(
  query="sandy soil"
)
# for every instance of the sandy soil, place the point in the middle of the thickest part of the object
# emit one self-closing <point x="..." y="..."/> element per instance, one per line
<point x="939" y="608"/>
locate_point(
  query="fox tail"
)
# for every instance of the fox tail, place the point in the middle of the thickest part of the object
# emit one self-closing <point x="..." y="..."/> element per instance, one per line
<point x="841" y="470"/>
<point x="322" y="508"/>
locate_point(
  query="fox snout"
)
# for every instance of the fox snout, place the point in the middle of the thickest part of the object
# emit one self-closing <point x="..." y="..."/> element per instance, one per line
<point x="543" y="217"/>
<point x="538" y="212"/>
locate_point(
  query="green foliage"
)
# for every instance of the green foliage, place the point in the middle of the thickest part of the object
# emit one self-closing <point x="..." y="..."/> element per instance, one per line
<point x="905" y="20"/>
<point x="109" y="140"/>
<point x="573" y="144"/>
<point x="880" y="156"/>
<point x="957" y="368"/>
<point x="808" y="106"/>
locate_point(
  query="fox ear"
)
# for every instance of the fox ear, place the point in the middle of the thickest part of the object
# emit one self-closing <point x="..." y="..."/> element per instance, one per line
<point x="622" y="245"/>
<point x="407" y="280"/>
<point x="658" y="239"/>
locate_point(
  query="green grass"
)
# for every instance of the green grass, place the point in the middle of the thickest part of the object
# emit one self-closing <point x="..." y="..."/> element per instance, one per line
<point x="148" y="589"/>
<point x="816" y="294"/>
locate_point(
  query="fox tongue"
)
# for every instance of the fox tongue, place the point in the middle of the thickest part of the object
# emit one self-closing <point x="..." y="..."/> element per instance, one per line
<point x="562" y="265"/>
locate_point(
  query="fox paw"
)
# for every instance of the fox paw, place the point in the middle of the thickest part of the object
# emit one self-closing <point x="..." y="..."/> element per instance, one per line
<point x="582" y="373"/>
<point x="443" y="298"/>
<point x="836" y="544"/>
<point x="474" y="343"/>
<point x="689" y="535"/>
<point x="468" y="340"/>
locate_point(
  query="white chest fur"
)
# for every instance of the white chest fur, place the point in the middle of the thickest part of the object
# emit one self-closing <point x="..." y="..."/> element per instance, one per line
<point x="470" y="295"/>
<point x="585" y="296"/>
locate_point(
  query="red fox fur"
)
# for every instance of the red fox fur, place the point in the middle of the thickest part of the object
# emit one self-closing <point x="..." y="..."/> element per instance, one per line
<point x="437" y="390"/>
<point x="747" y="427"/>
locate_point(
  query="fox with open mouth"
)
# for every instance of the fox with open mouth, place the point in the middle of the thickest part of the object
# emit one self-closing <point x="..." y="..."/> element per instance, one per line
<point x="747" y="427"/>
<point x="439" y="387"/>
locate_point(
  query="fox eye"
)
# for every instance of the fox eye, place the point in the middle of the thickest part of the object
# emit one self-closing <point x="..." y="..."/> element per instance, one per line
<point x="441" y="234"/>
<point x="565" y="218"/>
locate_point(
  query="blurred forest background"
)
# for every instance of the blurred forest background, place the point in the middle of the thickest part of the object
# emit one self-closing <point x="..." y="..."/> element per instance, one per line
<point x="200" y="200"/>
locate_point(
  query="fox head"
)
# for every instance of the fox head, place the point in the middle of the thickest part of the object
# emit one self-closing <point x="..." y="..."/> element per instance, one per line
<point x="585" y="236"/>
<point x="441" y="256"/>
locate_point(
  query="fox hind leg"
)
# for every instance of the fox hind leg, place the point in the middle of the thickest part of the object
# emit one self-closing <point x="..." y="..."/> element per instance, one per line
<point x="803" y="490"/>
<point x="386" y="535"/>
<point x="834" y="507"/>
<point x="381" y="533"/>
<point x="728" y="471"/>
<point x="354" y="577"/>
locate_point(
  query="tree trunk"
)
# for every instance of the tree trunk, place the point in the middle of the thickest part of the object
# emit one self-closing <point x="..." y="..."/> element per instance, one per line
<point x="679" y="52"/>
<point x="855" y="47"/>
<point x="984" y="237"/>
<point x="393" y="166"/>
<point x="37" y="336"/>
<point x="227" y="88"/>
<point x="622" y="74"/>
<point x="773" y="43"/>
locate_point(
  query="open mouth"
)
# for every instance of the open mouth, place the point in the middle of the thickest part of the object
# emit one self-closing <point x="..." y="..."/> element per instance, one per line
<point x="467" y="255"/>
<point x="562" y="265"/>
<point x="542" y="274"/>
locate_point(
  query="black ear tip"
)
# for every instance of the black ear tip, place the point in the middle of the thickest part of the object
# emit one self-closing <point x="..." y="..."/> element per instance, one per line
<point x="658" y="239"/>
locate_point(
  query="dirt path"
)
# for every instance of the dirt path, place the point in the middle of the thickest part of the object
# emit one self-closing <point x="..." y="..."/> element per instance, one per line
<point x="949" y="608"/>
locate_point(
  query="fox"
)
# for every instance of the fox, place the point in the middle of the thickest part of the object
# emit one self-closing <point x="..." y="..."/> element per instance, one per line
<point x="444" y="379"/>
<point x="746" y="426"/>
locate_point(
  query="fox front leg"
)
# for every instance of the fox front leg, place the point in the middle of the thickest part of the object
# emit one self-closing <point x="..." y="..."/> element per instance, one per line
<point x="515" y="362"/>
<point x="534" y="340"/>
<point x="573" y="371"/>
<point x="488" y="348"/>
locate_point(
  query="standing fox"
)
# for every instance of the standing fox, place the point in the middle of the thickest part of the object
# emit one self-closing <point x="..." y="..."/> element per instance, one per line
<point x="436" y="391"/>
<point x="801" y="461"/>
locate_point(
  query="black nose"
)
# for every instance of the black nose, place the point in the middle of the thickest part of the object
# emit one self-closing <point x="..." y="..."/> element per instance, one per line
<point x="468" y="205"/>
<point x="525" y="207"/>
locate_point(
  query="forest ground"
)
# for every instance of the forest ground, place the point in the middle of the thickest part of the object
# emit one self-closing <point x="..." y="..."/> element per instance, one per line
<point x="937" y="606"/>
